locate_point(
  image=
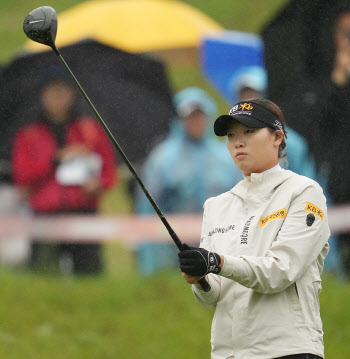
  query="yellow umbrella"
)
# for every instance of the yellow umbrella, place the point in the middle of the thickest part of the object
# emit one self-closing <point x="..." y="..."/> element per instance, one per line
<point x="164" y="27"/>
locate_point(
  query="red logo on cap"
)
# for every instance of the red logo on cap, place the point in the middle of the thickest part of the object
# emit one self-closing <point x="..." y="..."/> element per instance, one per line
<point x="246" y="106"/>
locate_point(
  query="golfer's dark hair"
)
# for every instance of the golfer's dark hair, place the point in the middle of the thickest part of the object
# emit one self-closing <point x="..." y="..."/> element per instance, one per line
<point x="272" y="107"/>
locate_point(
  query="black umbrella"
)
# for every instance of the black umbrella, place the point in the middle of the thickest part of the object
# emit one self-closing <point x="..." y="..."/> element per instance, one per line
<point x="299" y="53"/>
<point x="131" y="93"/>
<point x="300" y="57"/>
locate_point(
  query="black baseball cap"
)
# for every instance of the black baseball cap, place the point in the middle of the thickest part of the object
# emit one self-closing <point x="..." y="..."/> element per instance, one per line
<point x="52" y="74"/>
<point x="249" y="114"/>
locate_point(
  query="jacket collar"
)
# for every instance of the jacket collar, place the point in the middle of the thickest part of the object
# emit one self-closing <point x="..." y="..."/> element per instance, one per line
<point x="262" y="184"/>
<point x="274" y="169"/>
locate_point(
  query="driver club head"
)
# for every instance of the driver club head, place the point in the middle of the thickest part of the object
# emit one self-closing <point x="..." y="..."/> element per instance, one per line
<point x="40" y="25"/>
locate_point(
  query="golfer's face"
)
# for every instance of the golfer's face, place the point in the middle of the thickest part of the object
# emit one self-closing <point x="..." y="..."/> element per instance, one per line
<point x="253" y="150"/>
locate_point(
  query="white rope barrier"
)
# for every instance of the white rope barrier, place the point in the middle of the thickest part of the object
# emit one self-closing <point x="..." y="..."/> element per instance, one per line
<point x="97" y="228"/>
<point x="131" y="228"/>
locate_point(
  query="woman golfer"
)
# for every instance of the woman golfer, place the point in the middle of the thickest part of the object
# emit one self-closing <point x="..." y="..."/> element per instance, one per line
<point x="262" y="248"/>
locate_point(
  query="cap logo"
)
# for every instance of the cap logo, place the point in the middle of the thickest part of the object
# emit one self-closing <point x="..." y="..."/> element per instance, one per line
<point x="278" y="125"/>
<point x="246" y="106"/>
<point x="260" y="117"/>
<point x="242" y="107"/>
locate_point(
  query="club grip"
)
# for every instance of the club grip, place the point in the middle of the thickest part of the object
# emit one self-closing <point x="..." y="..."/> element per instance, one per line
<point x="204" y="284"/>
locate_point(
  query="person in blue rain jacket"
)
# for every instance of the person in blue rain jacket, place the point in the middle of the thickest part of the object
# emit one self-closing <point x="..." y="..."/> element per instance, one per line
<point x="183" y="171"/>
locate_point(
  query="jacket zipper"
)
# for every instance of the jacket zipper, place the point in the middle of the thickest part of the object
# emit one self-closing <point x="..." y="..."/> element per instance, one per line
<point x="296" y="290"/>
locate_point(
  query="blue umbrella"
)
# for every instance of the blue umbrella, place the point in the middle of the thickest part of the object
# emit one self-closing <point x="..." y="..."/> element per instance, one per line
<point x="223" y="56"/>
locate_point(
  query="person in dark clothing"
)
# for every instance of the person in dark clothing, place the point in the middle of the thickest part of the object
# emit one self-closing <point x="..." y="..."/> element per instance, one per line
<point x="332" y="146"/>
<point x="314" y="93"/>
<point x="64" y="162"/>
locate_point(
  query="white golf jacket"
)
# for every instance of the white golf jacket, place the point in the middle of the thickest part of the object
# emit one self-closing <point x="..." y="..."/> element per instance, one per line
<point x="272" y="229"/>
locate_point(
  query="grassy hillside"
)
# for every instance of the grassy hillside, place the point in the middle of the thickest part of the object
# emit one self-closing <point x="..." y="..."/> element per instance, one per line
<point x="336" y="317"/>
<point x="126" y="316"/>
<point x="108" y="317"/>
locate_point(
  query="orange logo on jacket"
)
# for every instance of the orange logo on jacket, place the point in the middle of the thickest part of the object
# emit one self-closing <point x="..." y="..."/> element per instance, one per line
<point x="313" y="209"/>
<point x="281" y="213"/>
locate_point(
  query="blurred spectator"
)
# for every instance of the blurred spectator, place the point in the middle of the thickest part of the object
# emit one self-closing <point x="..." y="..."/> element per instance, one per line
<point x="330" y="110"/>
<point x="187" y="168"/>
<point x="334" y="144"/>
<point x="308" y="61"/>
<point x="251" y="82"/>
<point x="63" y="163"/>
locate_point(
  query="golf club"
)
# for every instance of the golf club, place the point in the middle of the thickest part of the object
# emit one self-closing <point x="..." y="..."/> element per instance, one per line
<point x="40" y="25"/>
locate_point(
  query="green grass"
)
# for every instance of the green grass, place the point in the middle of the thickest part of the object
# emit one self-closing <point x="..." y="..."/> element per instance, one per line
<point x="335" y="311"/>
<point x="12" y="14"/>
<point x="123" y="315"/>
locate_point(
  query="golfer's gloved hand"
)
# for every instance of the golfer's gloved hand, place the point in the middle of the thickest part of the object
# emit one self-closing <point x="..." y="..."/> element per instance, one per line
<point x="198" y="261"/>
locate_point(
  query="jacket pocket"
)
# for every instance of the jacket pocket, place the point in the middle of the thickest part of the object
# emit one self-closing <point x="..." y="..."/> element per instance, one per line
<point x="316" y="289"/>
<point x="294" y="303"/>
<point x="310" y="304"/>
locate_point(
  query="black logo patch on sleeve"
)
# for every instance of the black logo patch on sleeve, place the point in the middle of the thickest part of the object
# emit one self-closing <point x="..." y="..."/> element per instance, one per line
<point x="310" y="219"/>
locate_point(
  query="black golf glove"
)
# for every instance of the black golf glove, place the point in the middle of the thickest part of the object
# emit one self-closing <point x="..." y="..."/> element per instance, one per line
<point x="198" y="261"/>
